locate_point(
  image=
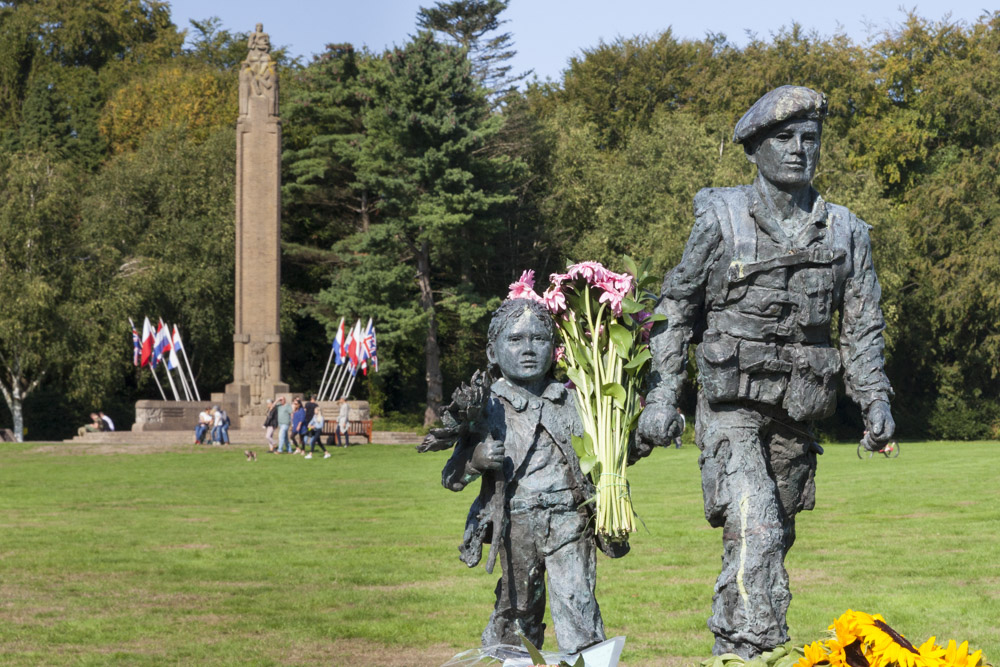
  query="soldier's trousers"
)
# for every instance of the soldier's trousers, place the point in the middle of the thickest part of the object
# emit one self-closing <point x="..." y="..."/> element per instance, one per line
<point x="559" y="541"/>
<point x="757" y="471"/>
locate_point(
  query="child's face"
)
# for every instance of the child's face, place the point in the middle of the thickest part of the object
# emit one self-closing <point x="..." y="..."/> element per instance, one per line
<point x="524" y="350"/>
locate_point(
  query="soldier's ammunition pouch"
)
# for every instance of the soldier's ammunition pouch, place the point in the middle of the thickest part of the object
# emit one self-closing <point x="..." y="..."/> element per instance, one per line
<point x="812" y="391"/>
<point x="800" y="378"/>
<point x="718" y="370"/>
<point x="764" y="374"/>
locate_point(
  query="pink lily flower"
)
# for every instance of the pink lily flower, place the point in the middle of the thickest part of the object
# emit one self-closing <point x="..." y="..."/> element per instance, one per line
<point x="611" y="296"/>
<point x="622" y="282"/>
<point x="557" y="279"/>
<point x="554" y="300"/>
<point x="524" y="288"/>
<point x="558" y="353"/>
<point x="592" y="272"/>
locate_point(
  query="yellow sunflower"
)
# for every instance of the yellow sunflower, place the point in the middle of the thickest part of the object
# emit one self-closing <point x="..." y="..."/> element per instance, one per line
<point x="959" y="656"/>
<point x="891" y="649"/>
<point x="836" y="654"/>
<point x="814" y="654"/>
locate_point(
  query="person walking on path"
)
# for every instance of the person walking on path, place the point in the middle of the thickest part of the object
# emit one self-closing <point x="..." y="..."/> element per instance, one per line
<point x="298" y="429"/>
<point x="314" y="431"/>
<point x="270" y="423"/>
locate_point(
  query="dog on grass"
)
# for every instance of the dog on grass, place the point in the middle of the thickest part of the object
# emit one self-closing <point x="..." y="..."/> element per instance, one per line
<point x="250" y="454"/>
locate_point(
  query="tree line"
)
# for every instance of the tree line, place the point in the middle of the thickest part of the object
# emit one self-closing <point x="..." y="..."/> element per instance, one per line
<point x="419" y="182"/>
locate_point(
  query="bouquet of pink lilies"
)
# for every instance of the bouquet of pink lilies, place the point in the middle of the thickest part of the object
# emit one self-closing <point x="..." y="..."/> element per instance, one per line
<point x="604" y="320"/>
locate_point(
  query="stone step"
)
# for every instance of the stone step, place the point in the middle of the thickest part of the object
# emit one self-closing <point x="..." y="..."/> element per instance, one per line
<point x="236" y="437"/>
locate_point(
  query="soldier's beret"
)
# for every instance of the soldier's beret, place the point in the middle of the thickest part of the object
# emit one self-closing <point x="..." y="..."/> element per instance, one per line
<point x="777" y="106"/>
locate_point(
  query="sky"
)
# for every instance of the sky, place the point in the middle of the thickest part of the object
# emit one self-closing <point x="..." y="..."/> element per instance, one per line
<point x="547" y="33"/>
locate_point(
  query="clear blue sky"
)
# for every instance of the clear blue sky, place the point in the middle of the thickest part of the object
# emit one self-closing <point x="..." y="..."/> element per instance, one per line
<point x="547" y="33"/>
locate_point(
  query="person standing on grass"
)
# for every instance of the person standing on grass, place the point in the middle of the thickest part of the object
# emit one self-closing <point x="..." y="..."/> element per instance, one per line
<point x="284" y="423"/>
<point x="270" y="423"/>
<point x="314" y="431"/>
<point x="343" y="422"/>
<point x="310" y="405"/>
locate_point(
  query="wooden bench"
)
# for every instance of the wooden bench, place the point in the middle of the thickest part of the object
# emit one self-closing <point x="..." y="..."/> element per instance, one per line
<point x="355" y="427"/>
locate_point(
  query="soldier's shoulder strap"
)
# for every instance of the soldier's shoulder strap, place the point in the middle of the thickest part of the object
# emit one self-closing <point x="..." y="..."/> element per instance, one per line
<point x="731" y="206"/>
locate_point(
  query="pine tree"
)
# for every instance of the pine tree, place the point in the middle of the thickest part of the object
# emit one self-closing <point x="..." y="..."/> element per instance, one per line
<point x="466" y="23"/>
<point x="423" y="155"/>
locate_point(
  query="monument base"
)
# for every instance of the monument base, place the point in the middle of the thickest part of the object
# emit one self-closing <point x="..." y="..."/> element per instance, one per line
<point x="175" y="415"/>
<point x="248" y="402"/>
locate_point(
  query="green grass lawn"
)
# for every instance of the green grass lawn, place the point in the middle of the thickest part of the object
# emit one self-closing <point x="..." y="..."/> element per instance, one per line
<point x="197" y="557"/>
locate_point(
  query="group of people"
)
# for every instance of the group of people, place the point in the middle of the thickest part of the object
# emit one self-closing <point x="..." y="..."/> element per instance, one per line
<point x="300" y="425"/>
<point x="98" y="422"/>
<point x="213" y="427"/>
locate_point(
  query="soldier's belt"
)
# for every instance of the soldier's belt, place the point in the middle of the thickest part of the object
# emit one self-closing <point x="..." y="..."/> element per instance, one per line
<point x="739" y="270"/>
<point x="745" y="326"/>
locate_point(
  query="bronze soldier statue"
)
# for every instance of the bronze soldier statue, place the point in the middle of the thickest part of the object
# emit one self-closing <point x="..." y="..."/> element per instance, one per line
<point x="763" y="271"/>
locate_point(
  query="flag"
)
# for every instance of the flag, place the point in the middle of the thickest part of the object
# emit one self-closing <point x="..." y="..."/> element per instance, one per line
<point x="351" y="345"/>
<point x="175" y="340"/>
<point x="147" y="342"/>
<point x="136" y="344"/>
<point x="161" y="344"/>
<point x="173" y="362"/>
<point x="369" y="344"/>
<point x="339" y="356"/>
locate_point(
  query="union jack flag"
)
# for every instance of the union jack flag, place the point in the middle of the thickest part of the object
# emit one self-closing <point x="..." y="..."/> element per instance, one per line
<point x="369" y="345"/>
<point x="136" y="344"/>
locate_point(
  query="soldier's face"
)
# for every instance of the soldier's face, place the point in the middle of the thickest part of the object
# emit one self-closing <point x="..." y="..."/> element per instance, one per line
<point x="523" y="350"/>
<point x="788" y="154"/>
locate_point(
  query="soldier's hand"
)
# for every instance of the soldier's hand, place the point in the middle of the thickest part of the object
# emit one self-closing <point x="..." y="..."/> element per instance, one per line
<point x="488" y="455"/>
<point x="880" y="423"/>
<point x="658" y="423"/>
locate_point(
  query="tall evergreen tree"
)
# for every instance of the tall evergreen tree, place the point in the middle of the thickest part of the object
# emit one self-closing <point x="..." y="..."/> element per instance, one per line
<point x="423" y="155"/>
<point x="468" y="24"/>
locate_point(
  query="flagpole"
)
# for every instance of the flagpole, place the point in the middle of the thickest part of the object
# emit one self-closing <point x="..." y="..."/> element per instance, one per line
<point x="348" y="371"/>
<point x="184" y="382"/>
<point x="347" y="392"/>
<point x="322" y="383"/>
<point x="194" y="385"/>
<point x="338" y="385"/>
<point x="173" y="387"/>
<point x="334" y="378"/>
<point x="158" y="385"/>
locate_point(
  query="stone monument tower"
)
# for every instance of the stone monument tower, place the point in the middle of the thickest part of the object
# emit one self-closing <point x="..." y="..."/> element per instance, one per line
<point x="256" y="339"/>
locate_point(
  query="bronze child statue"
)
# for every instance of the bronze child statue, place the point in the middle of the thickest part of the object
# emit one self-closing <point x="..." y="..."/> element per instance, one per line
<point x="516" y="435"/>
<point x="765" y="268"/>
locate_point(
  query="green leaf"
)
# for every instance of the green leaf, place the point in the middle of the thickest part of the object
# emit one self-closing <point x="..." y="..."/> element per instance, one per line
<point x="578" y="446"/>
<point x="630" y="306"/>
<point x="638" y="361"/>
<point x="630" y="266"/>
<point x="615" y="391"/>
<point x="536" y="656"/>
<point x="587" y="463"/>
<point x="621" y="338"/>
<point x="577" y="377"/>
<point x="657" y="317"/>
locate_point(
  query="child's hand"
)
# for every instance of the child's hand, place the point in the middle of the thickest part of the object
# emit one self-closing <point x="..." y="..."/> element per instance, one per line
<point x="489" y="455"/>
